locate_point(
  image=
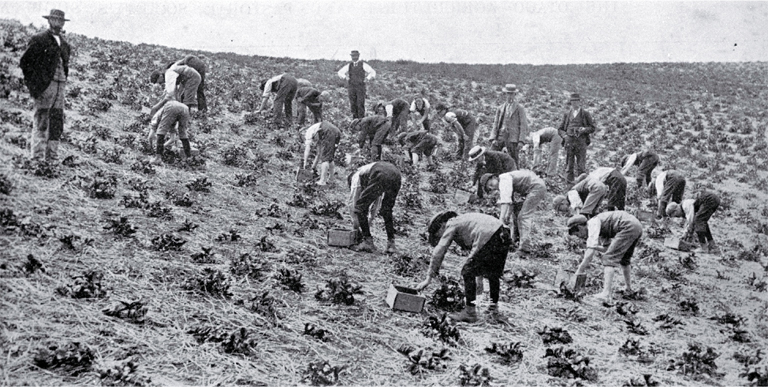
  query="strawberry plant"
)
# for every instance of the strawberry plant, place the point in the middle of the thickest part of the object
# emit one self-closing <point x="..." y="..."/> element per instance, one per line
<point x="6" y="186"/>
<point x="201" y="184"/>
<point x="188" y="226"/>
<point x="130" y="201"/>
<point x="158" y="210"/>
<point x="635" y="327"/>
<point x="510" y="354"/>
<point x="554" y="335"/>
<point x="318" y="333"/>
<point x="69" y="241"/>
<point x="475" y="375"/>
<point x="688" y="262"/>
<point x="646" y="381"/>
<point x="729" y="319"/>
<point x="757" y="376"/>
<point x="241" y="341"/>
<point x="438" y="327"/>
<point x="72" y="358"/>
<point x="263" y="304"/>
<point x="759" y="284"/>
<point x="181" y="199"/>
<point x="522" y="278"/>
<point x="266" y="245"/>
<point x="569" y="295"/>
<point x="627" y="309"/>
<point x="424" y="359"/>
<point x="121" y="227"/>
<point x="329" y="209"/>
<point x="290" y="280"/>
<point x="438" y="183"/>
<point x="696" y="362"/>
<point x="101" y="186"/>
<point x="573" y="314"/>
<point x="406" y="265"/>
<point x="569" y="364"/>
<point x="167" y="242"/>
<point x="122" y="374"/>
<point x="273" y="211"/>
<point x="230" y="236"/>
<point x="248" y="266"/>
<point x="234" y="156"/>
<point x="204" y="257"/>
<point x="87" y="285"/>
<point x="249" y="180"/>
<point x="449" y="296"/>
<point x="746" y="359"/>
<point x="113" y="155"/>
<point x="339" y="291"/>
<point x="210" y="282"/>
<point x="143" y="166"/>
<point x="689" y="306"/>
<point x="133" y="312"/>
<point x="32" y="265"/>
<point x="322" y="374"/>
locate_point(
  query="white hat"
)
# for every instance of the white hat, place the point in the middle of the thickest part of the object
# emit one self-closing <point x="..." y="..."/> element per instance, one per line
<point x="475" y="152"/>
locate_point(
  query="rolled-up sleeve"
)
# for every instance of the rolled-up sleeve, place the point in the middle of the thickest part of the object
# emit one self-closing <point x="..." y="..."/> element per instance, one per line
<point x="506" y="189"/>
<point x="439" y="251"/>
<point x="593" y="233"/>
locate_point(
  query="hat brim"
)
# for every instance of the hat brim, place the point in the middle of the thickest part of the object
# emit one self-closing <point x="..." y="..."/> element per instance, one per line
<point x="54" y="17"/>
<point x="508" y="91"/>
<point x="482" y="152"/>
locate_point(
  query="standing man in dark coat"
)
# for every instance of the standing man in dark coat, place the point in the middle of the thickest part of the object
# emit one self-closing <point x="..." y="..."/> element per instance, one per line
<point x="356" y="73"/>
<point x="510" y="127"/>
<point x="575" y="129"/>
<point x="45" y="65"/>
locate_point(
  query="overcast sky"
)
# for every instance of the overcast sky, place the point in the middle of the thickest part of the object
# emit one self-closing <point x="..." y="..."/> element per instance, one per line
<point x="428" y="31"/>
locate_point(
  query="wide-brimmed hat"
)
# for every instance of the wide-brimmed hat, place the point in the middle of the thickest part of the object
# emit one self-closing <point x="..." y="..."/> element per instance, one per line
<point x="354" y="52"/>
<point x="575" y="97"/>
<point x="575" y="221"/>
<point x="509" y="88"/>
<point x="476" y="152"/>
<point x="56" y="14"/>
<point x="436" y="222"/>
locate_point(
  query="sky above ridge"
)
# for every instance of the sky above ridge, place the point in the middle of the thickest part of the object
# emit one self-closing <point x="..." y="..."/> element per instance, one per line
<point x="558" y="32"/>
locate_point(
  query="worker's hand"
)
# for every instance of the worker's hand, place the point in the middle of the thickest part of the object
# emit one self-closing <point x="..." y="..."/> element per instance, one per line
<point x="423" y="284"/>
<point x="494" y="143"/>
<point x="152" y="137"/>
<point x="525" y="148"/>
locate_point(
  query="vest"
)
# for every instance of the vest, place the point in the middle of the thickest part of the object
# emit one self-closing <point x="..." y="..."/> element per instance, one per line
<point x="356" y="74"/>
<point x="574" y="123"/>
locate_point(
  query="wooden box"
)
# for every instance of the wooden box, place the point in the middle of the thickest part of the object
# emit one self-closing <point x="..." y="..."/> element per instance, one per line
<point x="677" y="244"/>
<point x="405" y="299"/>
<point x="343" y="238"/>
<point x="304" y="175"/>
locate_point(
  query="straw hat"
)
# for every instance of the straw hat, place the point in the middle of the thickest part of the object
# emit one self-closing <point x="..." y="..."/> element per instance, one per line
<point x="509" y="88"/>
<point x="476" y="152"/>
<point x="56" y="14"/>
<point x="576" y="220"/>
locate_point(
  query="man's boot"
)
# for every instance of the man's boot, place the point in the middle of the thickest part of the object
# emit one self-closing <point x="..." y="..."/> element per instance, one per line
<point x="365" y="246"/>
<point x="52" y="151"/>
<point x="391" y="248"/>
<point x="579" y="282"/>
<point x="495" y="315"/>
<point x="468" y="315"/>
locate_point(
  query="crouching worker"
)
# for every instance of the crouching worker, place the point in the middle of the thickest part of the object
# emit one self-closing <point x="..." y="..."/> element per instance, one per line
<point x="524" y="183"/>
<point x="697" y="213"/>
<point x="669" y="187"/>
<point x="164" y="122"/>
<point x="372" y="187"/>
<point x="622" y="230"/>
<point x="584" y="198"/>
<point x="326" y="137"/>
<point x="418" y="144"/>
<point x="645" y="161"/>
<point x="374" y="130"/>
<point x="487" y="240"/>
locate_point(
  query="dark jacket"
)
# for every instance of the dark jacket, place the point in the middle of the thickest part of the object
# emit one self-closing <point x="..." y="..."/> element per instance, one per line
<point x="583" y="119"/>
<point x="40" y="60"/>
<point x="494" y="162"/>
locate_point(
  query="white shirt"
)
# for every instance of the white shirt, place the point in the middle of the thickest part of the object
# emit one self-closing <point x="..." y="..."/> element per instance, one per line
<point x="370" y="73"/>
<point x="535" y="139"/>
<point x="575" y="112"/>
<point x="309" y="136"/>
<point x="268" y="85"/>
<point x="688" y="210"/>
<point x="630" y="162"/>
<point x="593" y="233"/>
<point x="170" y="79"/>
<point x="506" y="189"/>
<point x="575" y="199"/>
<point x="601" y="173"/>
<point x="660" y="184"/>
<point x="58" y="39"/>
<point x="413" y="104"/>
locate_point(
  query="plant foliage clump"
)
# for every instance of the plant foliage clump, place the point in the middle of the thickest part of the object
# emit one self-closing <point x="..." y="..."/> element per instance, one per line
<point x="87" y="285"/>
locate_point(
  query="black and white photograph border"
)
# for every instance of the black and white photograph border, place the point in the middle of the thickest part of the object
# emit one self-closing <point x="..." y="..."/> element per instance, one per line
<point x="539" y="193"/>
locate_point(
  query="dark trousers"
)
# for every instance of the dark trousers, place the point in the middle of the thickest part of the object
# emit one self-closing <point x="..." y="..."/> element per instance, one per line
<point x="674" y="187"/>
<point x="511" y="149"/>
<point x="399" y="122"/>
<point x="708" y="203"/>
<point x="316" y="109"/>
<point x="286" y="92"/>
<point x="575" y="157"/>
<point x="384" y="179"/>
<point x="199" y="66"/>
<point x="357" y="100"/>
<point x="645" y="169"/>
<point x="488" y="262"/>
<point x="617" y="190"/>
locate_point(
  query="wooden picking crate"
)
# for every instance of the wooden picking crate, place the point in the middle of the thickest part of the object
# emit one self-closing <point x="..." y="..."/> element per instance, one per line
<point x="343" y="238"/>
<point x="405" y="299"/>
<point x="677" y="244"/>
